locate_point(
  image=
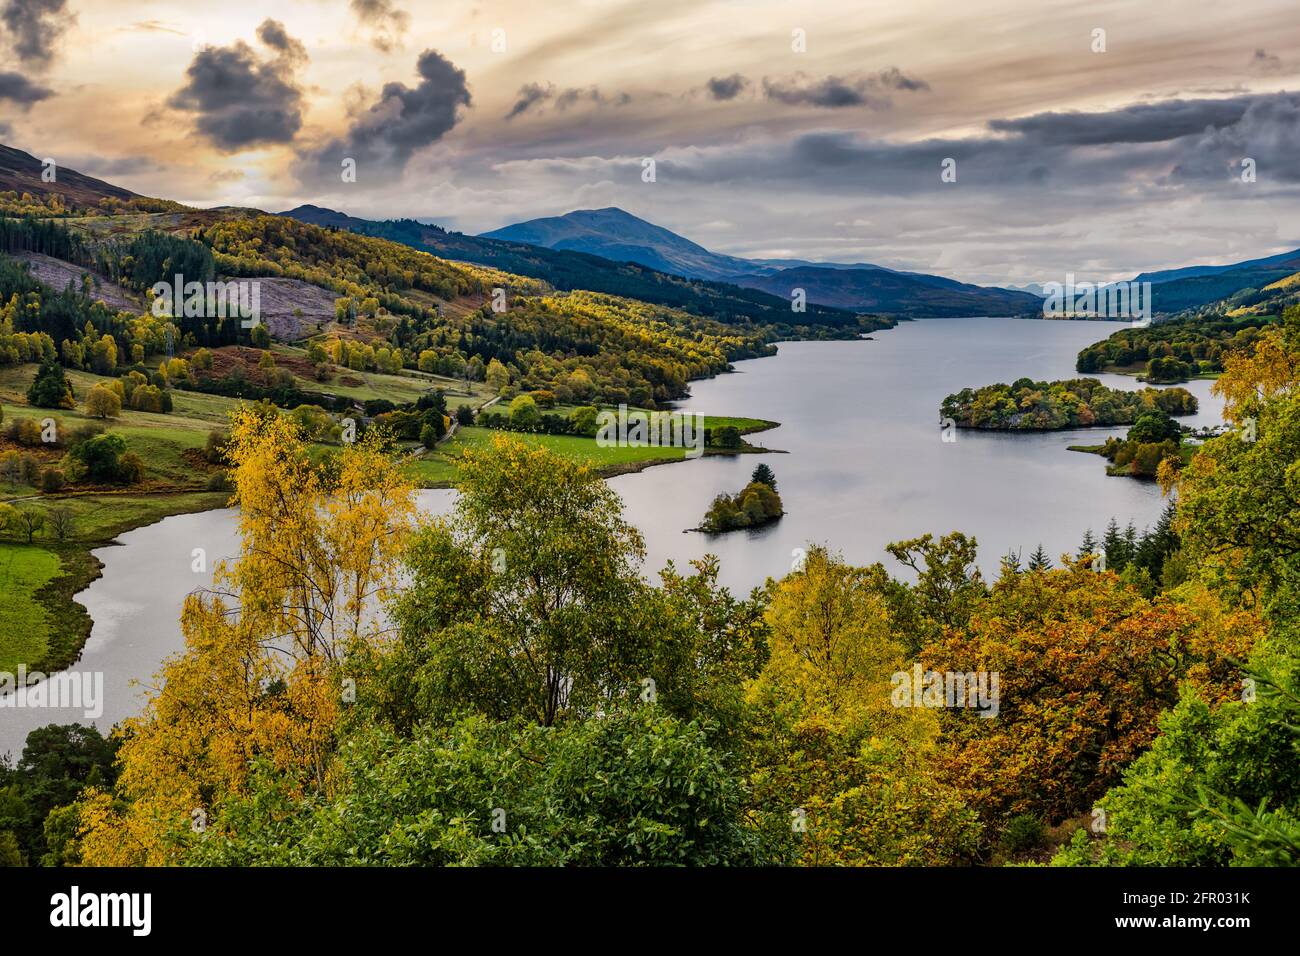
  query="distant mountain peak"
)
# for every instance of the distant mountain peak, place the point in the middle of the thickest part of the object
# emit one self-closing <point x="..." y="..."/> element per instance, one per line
<point x="616" y="234"/>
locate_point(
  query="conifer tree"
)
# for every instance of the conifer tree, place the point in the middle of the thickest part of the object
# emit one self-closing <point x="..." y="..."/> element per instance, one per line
<point x="1039" y="561"/>
<point x="1088" y="546"/>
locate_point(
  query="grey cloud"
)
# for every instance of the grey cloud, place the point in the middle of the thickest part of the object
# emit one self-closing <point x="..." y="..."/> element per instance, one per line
<point x="1144" y="123"/>
<point x="241" y="101"/>
<point x="388" y="22"/>
<point x="403" y="120"/>
<point x="1088" y="160"/>
<point x="35" y="27"/>
<point x="529" y="95"/>
<point x="895" y="79"/>
<point x="1268" y="133"/>
<point x="832" y="92"/>
<point x="534" y="97"/>
<point x="837" y="92"/>
<point x="273" y="34"/>
<point x="726" y="87"/>
<point x="16" y="88"/>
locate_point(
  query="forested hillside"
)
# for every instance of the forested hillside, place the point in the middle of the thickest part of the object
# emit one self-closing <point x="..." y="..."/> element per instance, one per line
<point x="568" y="269"/>
<point x="1195" y="340"/>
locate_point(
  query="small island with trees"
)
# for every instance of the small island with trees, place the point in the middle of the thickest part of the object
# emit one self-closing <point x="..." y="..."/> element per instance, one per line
<point x="1154" y="438"/>
<point x="756" y="505"/>
<point x="1026" y="405"/>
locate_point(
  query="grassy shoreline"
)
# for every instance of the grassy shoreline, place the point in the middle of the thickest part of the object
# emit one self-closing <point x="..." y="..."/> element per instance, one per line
<point x="55" y="627"/>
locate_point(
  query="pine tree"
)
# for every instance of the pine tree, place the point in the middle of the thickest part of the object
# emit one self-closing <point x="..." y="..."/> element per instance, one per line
<point x="1158" y="543"/>
<point x="1113" y="545"/>
<point x="1039" y="561"/>
<point x="764" y="476"/>
<point x="1089" y="545"/>
<point x="50" y="388"/>
<point x="1010" y="563"/>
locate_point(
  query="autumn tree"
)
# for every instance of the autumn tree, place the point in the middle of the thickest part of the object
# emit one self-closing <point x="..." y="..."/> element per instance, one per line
<point x="832" y="755"/>
<point x="260" y="677"/>
<point x="103" y="402"/>
<point x="1085" y="666"/>
<point x="1239" y="499"/>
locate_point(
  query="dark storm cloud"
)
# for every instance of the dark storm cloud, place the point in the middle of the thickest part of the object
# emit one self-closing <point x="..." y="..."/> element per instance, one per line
<point x="1107" y="158"/>
<point x="240" y="100"/>
<point x="386" y="20"/>
<point x="16" y="88"/>
<point x="534" y="97"/>
<point x="403" y="120"/>
<point x="1145" y="123"/>
<point x="837" y="92"/>
<point x="1268" y="133"/>
<point x="726" y="87"/>
<point x="35" y="26"/>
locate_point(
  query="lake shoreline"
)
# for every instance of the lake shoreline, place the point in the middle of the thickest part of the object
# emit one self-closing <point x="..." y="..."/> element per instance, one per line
<point x="862" y="467"/>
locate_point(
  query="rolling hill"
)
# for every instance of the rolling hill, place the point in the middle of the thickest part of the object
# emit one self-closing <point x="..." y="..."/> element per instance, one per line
<point x="1205" y="284"/>
<point x="568" y="270"/>
<point x="20" y="172"/>
<point x="895" y="292"/>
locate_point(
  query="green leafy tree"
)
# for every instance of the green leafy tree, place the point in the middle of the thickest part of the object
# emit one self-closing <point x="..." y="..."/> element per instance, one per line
<point x="635" y="788"/>
<point x="524" y="602"/>
<point x="1153" y="427"/>
<point x="948" y="584"/>
<point x="728" y="436"/>
<point x="524" y="414"/>
<point x="1220" y="786"/>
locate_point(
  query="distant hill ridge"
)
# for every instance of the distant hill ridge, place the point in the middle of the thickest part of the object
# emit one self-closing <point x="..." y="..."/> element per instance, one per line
<point x="20" y="172"/>
<point x="618" y="235"/>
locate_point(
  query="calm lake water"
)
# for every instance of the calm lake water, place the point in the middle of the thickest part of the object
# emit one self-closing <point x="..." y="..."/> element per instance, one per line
<point x="864" y="466"/>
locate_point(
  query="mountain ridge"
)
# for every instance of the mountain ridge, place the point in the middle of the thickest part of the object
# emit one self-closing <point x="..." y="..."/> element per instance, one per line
<point x="616" y="234"/>
<point x="21" y="172"/>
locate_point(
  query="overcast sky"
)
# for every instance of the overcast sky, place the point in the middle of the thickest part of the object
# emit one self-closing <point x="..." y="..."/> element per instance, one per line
<point x="810" y="129"/>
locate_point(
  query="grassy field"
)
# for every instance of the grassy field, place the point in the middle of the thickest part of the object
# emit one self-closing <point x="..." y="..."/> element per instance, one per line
<point x="161" y="441"/>
<point x="744" y="425"/>
<point x="24" y="622"/>
<point x="41" y="625"/>
<point x="399" y="389"/>
<point x="438" y="467"/>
